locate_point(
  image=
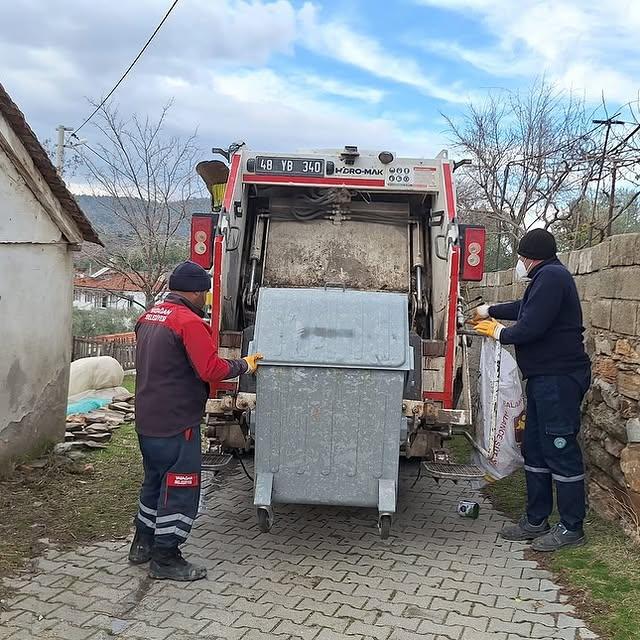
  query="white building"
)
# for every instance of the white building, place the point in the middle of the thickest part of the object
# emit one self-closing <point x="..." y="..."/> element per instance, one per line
<point x="107" y="289"/>
<point x="40" y="226"/>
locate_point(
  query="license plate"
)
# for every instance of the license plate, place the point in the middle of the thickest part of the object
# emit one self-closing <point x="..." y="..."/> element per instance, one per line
<point x="289" y="166"/>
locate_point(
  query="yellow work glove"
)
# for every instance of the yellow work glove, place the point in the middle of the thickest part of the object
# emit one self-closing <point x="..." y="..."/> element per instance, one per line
<point x="480" y="313"/>
<point x="490" y="328"/>
<point x="252" y="361"/>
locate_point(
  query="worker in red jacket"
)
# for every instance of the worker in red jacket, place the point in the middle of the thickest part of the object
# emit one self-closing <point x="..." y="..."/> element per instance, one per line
<point x="176" y="360"/>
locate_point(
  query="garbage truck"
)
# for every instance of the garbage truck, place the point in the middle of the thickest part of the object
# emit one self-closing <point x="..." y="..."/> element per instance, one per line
<point x="344" y="267"/>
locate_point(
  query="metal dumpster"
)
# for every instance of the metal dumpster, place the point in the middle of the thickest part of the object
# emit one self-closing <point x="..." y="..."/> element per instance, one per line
<point x="328" y="420"/>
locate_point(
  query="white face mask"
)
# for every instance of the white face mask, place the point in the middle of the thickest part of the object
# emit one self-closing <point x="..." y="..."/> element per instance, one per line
<point x="521" y="271"/>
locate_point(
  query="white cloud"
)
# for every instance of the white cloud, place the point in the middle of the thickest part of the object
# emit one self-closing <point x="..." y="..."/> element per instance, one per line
<point x="339" y="41"/>
<point x="342" y="89"/>
<point x="584" y="45"/>
<point x="219" y="60"/>
<point x="274" y="112"/>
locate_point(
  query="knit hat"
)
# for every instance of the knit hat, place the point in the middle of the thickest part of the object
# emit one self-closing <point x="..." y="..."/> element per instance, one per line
<point x="537" y="244"/>
<point x="189" y="276"/>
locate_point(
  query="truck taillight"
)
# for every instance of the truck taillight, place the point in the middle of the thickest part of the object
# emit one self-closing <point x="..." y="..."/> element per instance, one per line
<point x="202" y="232"/>
<point x="473" y="243"/>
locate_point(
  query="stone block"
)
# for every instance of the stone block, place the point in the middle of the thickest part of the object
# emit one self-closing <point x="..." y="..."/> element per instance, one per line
<point x="629" y="385"/>
<point x="492" y="278"/>
<point x="589" y="344"/>
<point x="613" y="447"/>
<point x="626" y="283"/>
<point x="623" y="316"/>
<point x="607" y="393"/>
<point x="605" y="368"/>
<point x="624" y="249"/>
<point x="608" y="420"/>
<point x="592" y="433"/>
<point x="592" y="287"/>
<point x="603" y="345"/>
<point x="564" y="257"/>
<point x="601" y="314"/>
<point x="506" y="277"/>
<point x="581" y="286"/>
<point x="601" y="492"/>
<point x="630" y="465"/>
<point x="585" y="261"/>
<point x="586" y="315"/>
<point x="600" y="256"/>
<point x="573" y="262"/>
<point x="601" y="458"/>
<point x="627" y="352"/>
<point x="629" y="408"/>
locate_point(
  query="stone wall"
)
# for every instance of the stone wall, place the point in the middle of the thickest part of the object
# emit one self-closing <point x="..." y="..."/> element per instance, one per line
<point x="608" y="280"/>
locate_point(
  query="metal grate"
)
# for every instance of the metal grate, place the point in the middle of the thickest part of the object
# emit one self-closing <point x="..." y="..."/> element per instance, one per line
<point x="453" y="471"/>
<point x="215" y="461"/>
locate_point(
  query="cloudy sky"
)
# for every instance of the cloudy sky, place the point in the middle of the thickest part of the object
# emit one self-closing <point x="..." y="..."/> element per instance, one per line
<point x="283" y="74"/>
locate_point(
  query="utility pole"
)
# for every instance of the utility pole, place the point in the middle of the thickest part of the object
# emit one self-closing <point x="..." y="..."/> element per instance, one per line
<point x="60" y="145"/>
<point x="609" y="122"/>
<point x="612" y="198"/>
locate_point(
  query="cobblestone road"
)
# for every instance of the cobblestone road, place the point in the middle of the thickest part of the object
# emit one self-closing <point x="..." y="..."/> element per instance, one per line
<point x="322" y="574"/>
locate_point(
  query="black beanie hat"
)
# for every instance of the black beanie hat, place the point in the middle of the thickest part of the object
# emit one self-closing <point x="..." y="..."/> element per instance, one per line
<point x="189" y="276"/>
<point x="537" y="244"/>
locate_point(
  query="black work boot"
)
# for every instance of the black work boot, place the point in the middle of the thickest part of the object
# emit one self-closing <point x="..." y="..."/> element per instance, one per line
<point x="523" y="530"/>
<point x="558" y="538"/>
<point x="140" y="551"/>
<point x="168" y="564"/>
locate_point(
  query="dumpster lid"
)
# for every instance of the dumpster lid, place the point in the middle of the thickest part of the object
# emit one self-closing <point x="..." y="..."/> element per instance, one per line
<point x="333" y="328"/>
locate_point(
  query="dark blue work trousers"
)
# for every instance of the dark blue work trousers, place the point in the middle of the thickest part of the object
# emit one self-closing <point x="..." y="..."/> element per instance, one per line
<point x="170" y="491"/>
<point x="551" y="449"/>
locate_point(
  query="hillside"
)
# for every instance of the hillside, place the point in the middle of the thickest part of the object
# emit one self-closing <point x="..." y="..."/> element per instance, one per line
<point x="99" y="210"/>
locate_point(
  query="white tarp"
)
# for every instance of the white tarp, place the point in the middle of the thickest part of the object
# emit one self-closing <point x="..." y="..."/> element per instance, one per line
<point x="502" y="412"/>
<point x="98" y="372"/>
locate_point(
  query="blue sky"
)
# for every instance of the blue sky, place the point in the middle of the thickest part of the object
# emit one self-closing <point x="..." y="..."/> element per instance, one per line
<point x="287" y="74"/>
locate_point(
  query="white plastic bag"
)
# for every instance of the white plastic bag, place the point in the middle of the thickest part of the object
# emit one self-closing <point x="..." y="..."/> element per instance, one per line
<point x="501" y="416"/>
<point x="97" y="372"/>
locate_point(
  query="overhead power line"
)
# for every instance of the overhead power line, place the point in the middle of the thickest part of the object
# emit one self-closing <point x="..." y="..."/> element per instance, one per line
<point x="124" y="75"/>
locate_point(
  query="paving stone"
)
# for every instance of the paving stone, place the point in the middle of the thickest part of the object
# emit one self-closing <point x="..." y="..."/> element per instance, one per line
<point x="328" y="634"/>
<point x="467" y="621"/>
<point x="144" y="630"/>
<point x="387" y="619"/>
<point x="184" y="623"/>
<point x="346" y="611"/>
<point x="368" y="630"/>
<point x="37" y="607"/>
<point x="321" y="574"/>
<point x="540" y="631"/>
<point x="452" y="632"/>
<point x="220" y="616"/>
<point x="327" y="608"/>
<point x="288" y="629"/>
<point x="70" y="632"/>
<point x="285" y="613"/>
<point x="523" y="628"/>
<point x="256" y="622"/>
<point x="335" y="623"/>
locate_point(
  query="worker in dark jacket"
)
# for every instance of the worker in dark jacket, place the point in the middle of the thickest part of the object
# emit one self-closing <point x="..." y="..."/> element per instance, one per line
<point x="176" y="360"/>
<point x="548" y="339"/>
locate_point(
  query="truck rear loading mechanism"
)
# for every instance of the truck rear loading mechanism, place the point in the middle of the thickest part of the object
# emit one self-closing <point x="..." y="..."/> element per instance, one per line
<point x="343" y="267"/>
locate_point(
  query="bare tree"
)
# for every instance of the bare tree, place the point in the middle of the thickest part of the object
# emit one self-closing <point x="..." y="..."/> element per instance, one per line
<point x="530" y="155"/>
<point x="149" y="178"/>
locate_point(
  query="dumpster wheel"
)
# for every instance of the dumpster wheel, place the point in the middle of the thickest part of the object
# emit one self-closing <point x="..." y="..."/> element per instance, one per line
<point x="265" y="521"/>
<point x="384" y="526"/>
